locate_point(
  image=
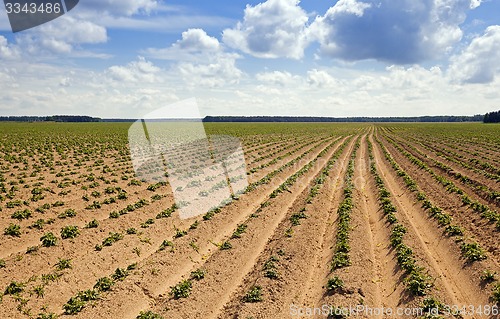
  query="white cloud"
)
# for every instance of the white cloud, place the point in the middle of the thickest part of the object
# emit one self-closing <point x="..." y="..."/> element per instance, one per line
<point x="140" y="71"/>
<point x="401" y="32"/>
<point x="414" y="83"/>
<point x="201" y="60"/>
<point x="122" y="91"/>
<point x="275" y="28"/>
<point x="348" y="6"/>
<point x="319" y="78"/>
<point x="277" y="78"/>
<point x="195" y="44"/>
<point x="197" y="40"/>
<point x="62" y="36"/>
<point x="478" y="63"/>
<point x="475" y="3"/>
<point x="220" y="72"/>
<point x="65" y="82"/>
<point x="8" y="51"/>
<point x="270" y="91"/>
<point x="132" y="89"/>
<point x="73" y="31"/>
<point x="443" y="29"/>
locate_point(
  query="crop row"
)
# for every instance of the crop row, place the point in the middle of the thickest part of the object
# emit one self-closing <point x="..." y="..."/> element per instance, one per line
<point x="470" y="145"/>
<point x="482" y="190"/>
<point x="277" y="150"/>
<point x="417" y="280"/>
<point x="279" y="158"/>
<point x="77" y="303"/>
<point x="270" y="267"/>
<point x="27" y="213"/>
<point x="183" y="288"/>
<point x="264" y="145"/>
<point x="483" y="210"/>
<point x="479" y="167"/>
<point x="471" y="251"/>
<point x="113" y="237"/>
<point x="341" y="251"/>
<point x="266" y="179"/>
<point x="475" y="136"/>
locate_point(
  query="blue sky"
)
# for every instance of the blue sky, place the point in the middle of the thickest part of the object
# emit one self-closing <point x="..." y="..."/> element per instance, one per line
<point x="126" y="58"/>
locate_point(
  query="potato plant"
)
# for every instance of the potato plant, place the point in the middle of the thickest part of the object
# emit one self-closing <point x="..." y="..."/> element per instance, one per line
<point x="48" y="240"/>
<point x="182" y="289"/>
<point x="13" y="230"/>
<point x="334" y="284"/>
<point x="63" y="264"/>
<point x="253" y="295"/>
<point x="70" y="232"/>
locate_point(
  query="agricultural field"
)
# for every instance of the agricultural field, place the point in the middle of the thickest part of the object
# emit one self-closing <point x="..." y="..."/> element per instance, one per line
<point x="378" y="217"/>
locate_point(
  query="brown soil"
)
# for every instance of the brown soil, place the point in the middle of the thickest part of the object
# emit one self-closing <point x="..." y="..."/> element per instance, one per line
<point x="302" y="260"/>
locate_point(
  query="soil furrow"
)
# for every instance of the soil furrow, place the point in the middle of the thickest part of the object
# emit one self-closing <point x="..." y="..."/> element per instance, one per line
<point x="460" y="284"/>
<point x="229" y="269"/>
<point x="484" y="231"/>
<point x="294" y="265"/>
<point x="387" y="289"/>
<point x="164" y="270"/>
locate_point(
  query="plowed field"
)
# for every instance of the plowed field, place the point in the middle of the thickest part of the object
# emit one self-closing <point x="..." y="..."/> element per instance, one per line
<point x="358" y="220"/>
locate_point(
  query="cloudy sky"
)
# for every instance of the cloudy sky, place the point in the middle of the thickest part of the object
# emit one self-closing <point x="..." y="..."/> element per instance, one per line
<point x="125" y="58"/>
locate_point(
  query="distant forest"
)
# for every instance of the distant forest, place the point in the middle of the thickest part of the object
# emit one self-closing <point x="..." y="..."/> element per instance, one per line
<point x="475" y="118"/>
<point x="492" y="117"/>
<point x="53" y="118"/>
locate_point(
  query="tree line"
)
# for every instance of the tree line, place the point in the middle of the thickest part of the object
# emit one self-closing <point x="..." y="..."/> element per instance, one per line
<point x="475" y="118"/>
<point x="492" y="117"/>
<point x="53" y="118"/>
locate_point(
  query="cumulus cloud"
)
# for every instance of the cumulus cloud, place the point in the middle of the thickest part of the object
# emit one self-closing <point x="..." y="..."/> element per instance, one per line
<point x="61" y="36"/>
<point x="7" y="50"/>
<point x="275" y="28"/>
<point x="121" y="91"/>
<point x="201" y="59"/>
<point x="478" y="63"/>
<point x="73" y="31"/>
<point x="413" y="83"/>
<point x="319" y="78"/>
<point x="277" y="78"/>
<point x="141" y="71"/>
<point x="475" y="3"/>
<point x="315" y="78"/>
<point x="401" y="32"/>
<point x="65" y="82"/>
<point x="217" y="74"/>
<point x="86" y="25"/>
<point x="195" y="44"/>
<point x="405" y="83"/>
<point x="350" y="7"/>
<point x="197" y="40"/>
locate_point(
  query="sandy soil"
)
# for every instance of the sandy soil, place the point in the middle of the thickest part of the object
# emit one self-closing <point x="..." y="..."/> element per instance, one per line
<point x="298" y="254"/>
